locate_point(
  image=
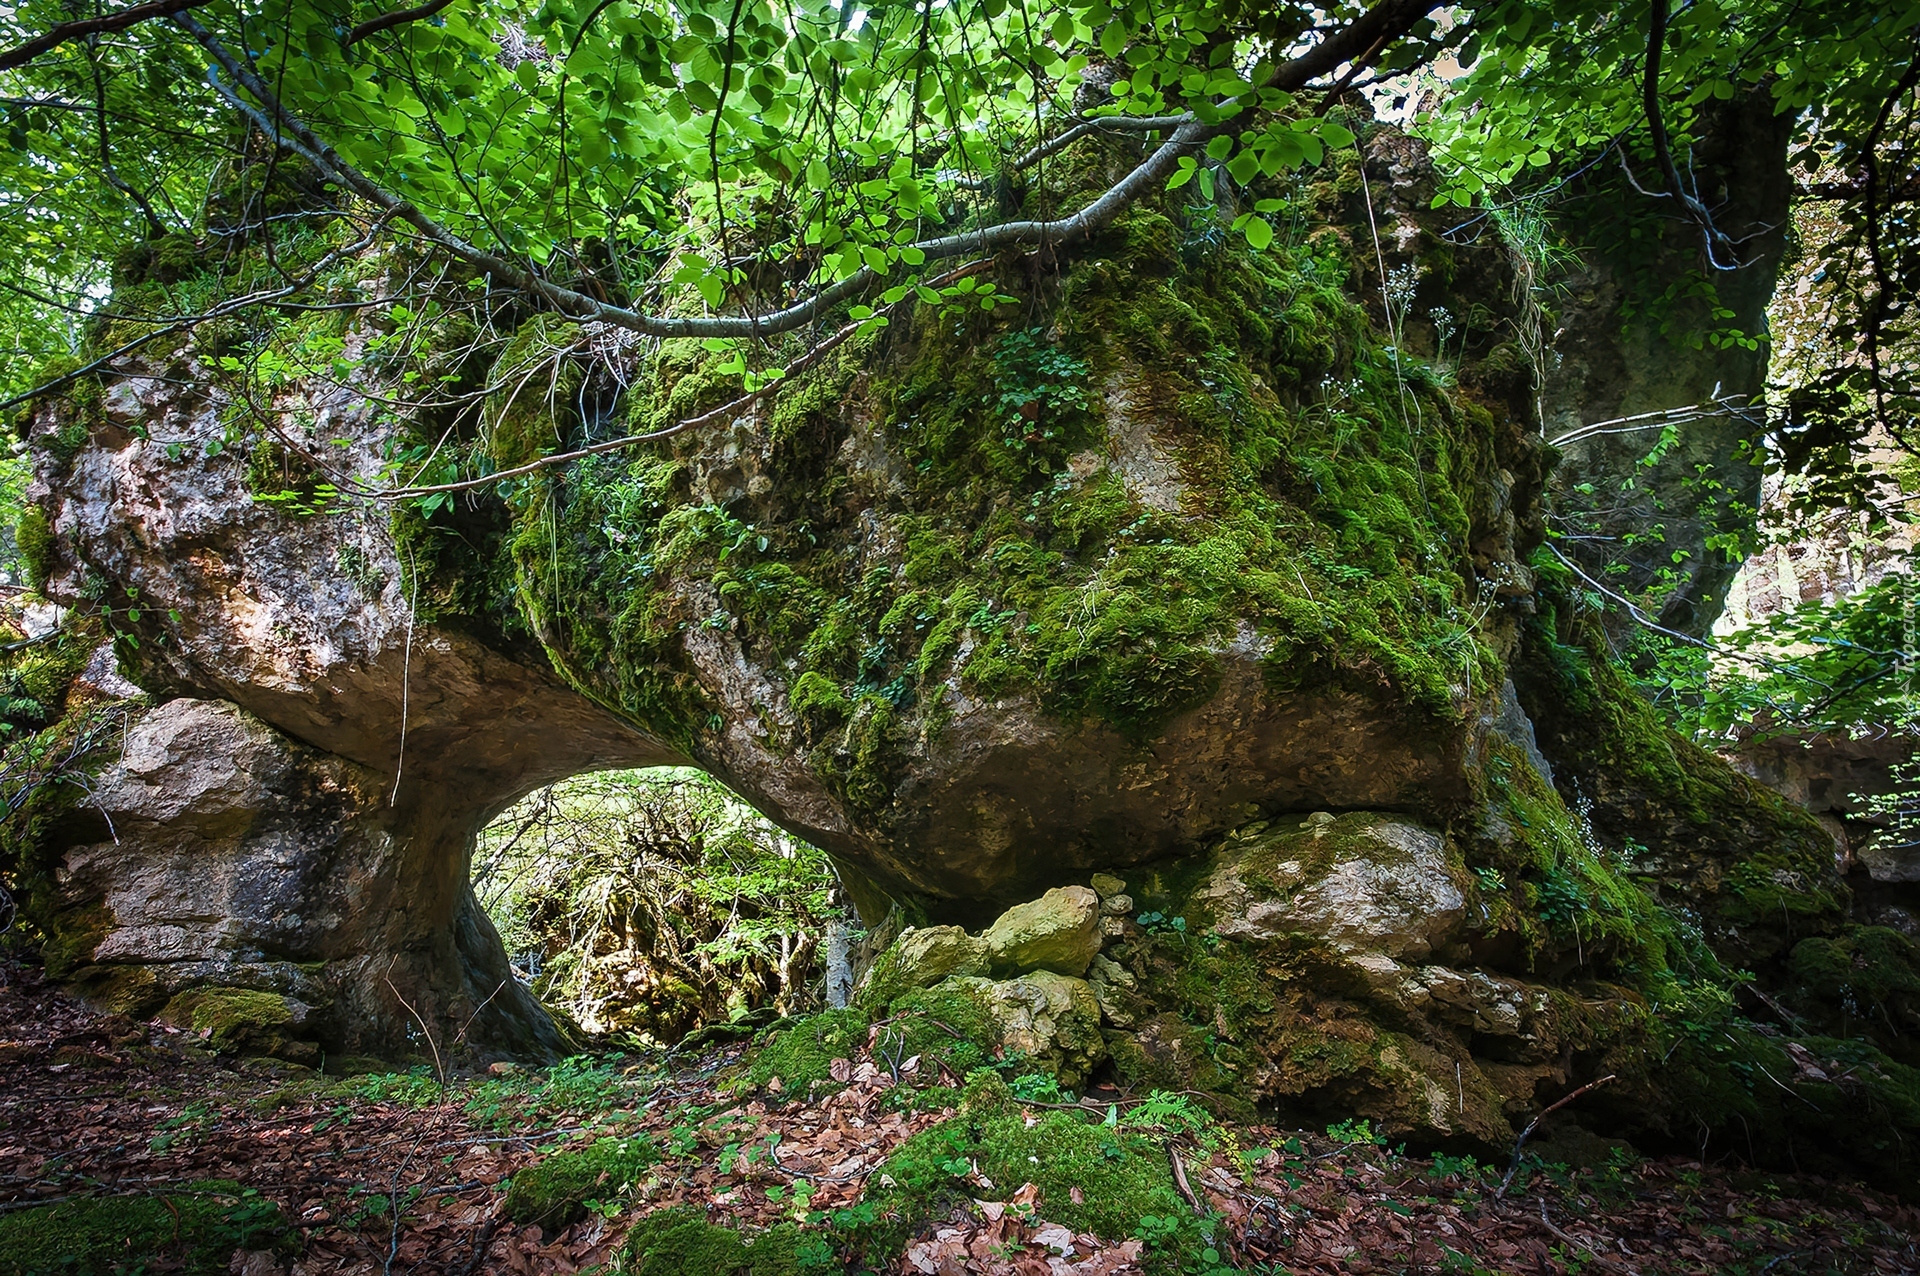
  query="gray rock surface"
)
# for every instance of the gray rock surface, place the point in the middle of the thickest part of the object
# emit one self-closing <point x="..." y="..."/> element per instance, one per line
<point x="1364" y="884"/>
<point x="217" y="852"/>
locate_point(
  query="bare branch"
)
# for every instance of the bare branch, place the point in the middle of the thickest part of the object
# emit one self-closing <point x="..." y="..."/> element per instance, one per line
<point x="53" y="38"/>
<point x="725" y="411"/>
<point x="1085" y="128"/>
<point x="234" y="306"/>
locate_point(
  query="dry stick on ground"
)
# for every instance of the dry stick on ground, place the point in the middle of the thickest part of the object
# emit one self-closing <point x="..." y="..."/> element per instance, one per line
<point x="1533" y="1124"/>
<point x="1599" y="1260"/>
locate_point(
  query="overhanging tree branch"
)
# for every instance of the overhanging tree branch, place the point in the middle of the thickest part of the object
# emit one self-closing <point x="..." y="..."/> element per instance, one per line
<point x="1378" y="26"/>
<point x="1663" y="147"/>
<point x="388" y="21"/>
<point x="53" y="38"/>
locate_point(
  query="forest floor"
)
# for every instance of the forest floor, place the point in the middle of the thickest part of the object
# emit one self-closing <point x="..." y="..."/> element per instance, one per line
<point x="101" y="1118"/>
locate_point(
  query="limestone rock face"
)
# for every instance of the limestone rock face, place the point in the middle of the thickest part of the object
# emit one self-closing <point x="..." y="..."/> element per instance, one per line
<point x="968" y="668"/>
<point x="217" y="861"/>
<point x="1611" y="359"/>
<point x="1344" y="964"/>
<point x="1057" y="932"/>
<point x="1052" y="1019"/>
<point x="1363" y="884"/>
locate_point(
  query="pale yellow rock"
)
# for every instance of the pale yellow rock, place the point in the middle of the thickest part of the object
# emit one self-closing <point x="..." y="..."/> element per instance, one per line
<point x="1057" y="932"/>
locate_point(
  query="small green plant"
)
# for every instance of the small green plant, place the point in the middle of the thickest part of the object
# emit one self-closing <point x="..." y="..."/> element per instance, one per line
<point x="1160" y="923"/>
<point x="416" y="1087"/>
<point x="1038" y="390"/>
<point x="1355" y="1132"/>
<point x="1037" y="1087"/>
<point x="181" y="1128"/>
<point x="1175" y="1113"/>
<point x="1462" y="1167"/>
<point x="1157" y="1229"/>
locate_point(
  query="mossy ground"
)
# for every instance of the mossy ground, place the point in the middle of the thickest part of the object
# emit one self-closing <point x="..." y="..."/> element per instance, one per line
<point x="1096" y="1178"/>
<point x="681" y="1242"/>
<point x="194" y="1231"/>
<point x="556" y="1190"/>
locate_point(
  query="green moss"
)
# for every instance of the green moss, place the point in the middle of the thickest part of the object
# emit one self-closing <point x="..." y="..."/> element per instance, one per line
<point x="1865" y="980"/>
<point x="801" y="1053"/>
<point x="1833" y="1106"/>
<point x="536" y="375"/>
<point x="946" y="1024"/>
<point x="819" y="701"/>
<point x="194" y="1231"/>
<point x="239" y="1020"/>
<point x="1091" y="1177"/>
<point x="681" y="1242"/>
<point x="553" y="1191"/>
<point x="71" y="935"/>
<point x="34" y="537"/>
<point x="1565" y="896"/>
<point x="981" y="543"/>
<point x="1759" y="868"/>
<point x="167" y="259"/>
<point x="125" y="990"/>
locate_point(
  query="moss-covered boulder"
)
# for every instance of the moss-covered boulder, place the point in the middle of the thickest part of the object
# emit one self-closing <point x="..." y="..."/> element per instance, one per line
<point x="244" y="1021"/>
<point x="1364" y="883"/>
<point x="1048" y="1022"/>
<point x="1057" y="932"/>
<point x="921" y="957"/>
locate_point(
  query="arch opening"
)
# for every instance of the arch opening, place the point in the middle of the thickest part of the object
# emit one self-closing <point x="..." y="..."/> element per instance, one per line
<point x="654" y="903"/>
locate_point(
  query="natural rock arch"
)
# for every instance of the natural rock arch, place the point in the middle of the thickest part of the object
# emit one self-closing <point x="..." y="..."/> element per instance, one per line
<point x="350" y="695"/>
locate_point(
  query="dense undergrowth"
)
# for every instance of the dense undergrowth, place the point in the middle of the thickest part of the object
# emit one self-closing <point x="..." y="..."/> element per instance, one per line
<point x="657" y="903"/>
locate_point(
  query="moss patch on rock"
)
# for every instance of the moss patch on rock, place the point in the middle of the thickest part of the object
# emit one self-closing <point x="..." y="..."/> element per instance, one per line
<point x="194" y="1231"/>
<point x="1310" y="491"/>
<point x="1758" y="869"/>
<point x="243" y="1021"/>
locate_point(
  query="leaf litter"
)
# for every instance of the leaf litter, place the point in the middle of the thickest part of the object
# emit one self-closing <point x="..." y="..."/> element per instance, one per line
<point x="397" y="1175"/>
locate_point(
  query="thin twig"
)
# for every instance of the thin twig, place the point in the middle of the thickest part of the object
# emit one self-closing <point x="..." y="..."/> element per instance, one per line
<point x="1533" y="1124"/>
<point x="55" y="36"/>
